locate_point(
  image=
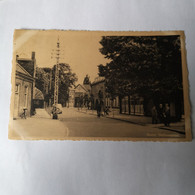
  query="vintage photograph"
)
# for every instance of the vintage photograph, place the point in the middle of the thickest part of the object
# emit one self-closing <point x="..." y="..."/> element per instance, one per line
<point x="99" y="85"/>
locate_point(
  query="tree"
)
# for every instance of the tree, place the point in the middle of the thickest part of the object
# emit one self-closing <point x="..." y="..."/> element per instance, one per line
<point x="149" y="66"/>
<point x="46" y="77"/>
<point x="42" y="79"/>
<point x="67" y="79"/>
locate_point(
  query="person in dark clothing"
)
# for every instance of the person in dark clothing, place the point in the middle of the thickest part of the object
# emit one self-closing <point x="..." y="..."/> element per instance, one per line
<point x="167" y="115"/>
<point x="154" y="115"/>
<point x="98" y="107"/>
<point x="102" y="107"/>
<point x="54" y="112"/>
<point x="161" y="114"/>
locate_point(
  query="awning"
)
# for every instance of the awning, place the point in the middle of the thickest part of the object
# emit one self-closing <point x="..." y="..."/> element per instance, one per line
<point x="38" y="94"/>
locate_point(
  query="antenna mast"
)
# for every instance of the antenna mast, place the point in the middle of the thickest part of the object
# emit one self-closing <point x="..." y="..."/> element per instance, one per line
<point x="57" y="73"/>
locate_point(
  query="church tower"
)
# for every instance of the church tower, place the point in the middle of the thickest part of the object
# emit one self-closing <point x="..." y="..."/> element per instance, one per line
<point x="87" y="83"/>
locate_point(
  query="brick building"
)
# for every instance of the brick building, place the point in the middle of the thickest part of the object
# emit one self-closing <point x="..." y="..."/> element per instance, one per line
<point x="24" y="85"/>
<point x="23" y="91"/>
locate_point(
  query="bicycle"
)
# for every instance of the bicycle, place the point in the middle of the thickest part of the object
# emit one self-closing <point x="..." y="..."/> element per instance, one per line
<point x="23" y="115"/>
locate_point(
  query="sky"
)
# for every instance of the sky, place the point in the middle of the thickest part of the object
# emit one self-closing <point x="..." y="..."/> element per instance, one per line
<point x="80" y="49"/>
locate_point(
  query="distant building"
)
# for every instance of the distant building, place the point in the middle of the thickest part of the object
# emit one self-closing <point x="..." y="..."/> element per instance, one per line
<point x="80" y="93"/>
<point x="87" y="84"/>
<point x="98" y="91"/>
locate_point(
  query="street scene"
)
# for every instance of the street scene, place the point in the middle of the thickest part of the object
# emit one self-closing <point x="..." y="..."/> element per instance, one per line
<point x="70" y="85"/>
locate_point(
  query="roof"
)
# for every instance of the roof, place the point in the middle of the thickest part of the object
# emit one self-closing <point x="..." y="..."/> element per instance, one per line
<point x="20" y="69"/>
<point x="24" y="59"/>
<point x="27" y="64"/>
<point x="38" y="94"/>
<point x="98" y="80"/>
<point x="87" y="87"/>
<point x="81" y="87"/>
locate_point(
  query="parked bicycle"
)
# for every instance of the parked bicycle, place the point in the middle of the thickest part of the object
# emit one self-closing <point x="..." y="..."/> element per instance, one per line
<point x="23" y="115"/>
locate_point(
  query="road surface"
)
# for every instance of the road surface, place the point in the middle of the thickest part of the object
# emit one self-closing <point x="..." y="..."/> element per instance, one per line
<point x="73" y="123"/>
<point x="81" y="124"/>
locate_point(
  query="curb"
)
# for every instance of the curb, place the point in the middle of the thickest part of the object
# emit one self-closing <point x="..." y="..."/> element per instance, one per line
<point x="174" y="130"/>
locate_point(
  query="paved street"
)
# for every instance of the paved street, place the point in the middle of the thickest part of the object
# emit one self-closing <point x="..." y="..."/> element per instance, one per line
<point x="74" y="123"/>
<point x="83" y="124"/>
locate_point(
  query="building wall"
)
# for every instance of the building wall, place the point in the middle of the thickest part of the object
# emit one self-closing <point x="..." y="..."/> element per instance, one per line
<point x="23" y="96"/>
<point x="95" y="88"/>
<point x="71" y="98"/>
<point x="30" y="66"/>
<point x="74" y="95"/>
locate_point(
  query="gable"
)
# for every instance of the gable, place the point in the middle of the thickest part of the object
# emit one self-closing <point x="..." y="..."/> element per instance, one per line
<point x="22" y="70"/>
<point x="80" y="88"/>
<point x="28" y="65"/>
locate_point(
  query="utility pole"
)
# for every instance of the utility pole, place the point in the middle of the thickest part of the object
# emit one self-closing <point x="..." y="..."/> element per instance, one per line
<point x="56" y="89"/>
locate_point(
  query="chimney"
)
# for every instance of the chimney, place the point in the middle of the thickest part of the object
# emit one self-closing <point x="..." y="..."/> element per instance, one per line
<point x="33" y="55"/>
<point x="17" y="56"/>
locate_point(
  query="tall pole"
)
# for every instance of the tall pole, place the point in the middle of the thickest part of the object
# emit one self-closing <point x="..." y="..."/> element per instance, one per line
<point x="56" y="89"/>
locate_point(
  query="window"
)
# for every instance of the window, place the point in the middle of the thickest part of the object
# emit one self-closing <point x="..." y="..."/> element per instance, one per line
<point x="17" y="88"/>
<point x="26" y="96"/>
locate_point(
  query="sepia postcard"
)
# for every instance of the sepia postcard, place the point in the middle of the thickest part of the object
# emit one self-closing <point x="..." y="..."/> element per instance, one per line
<point x="99" y="85"/>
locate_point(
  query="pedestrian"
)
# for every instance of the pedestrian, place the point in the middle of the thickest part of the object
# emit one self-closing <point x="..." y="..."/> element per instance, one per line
<point x="54" y="112"/>
<point x="98" y="107"/>
<point x="89" y="105"/>
<point x="102" y="107"/>
<point x="154" y="115"/>
<point x="167" y="115"/>
<point x="161" y="114"/>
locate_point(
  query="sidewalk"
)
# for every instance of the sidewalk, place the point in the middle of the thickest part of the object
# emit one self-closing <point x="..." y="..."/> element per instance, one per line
<point x="41" y="113"/>
<point x="178" y="127"/>
<point x="39" y="126"/>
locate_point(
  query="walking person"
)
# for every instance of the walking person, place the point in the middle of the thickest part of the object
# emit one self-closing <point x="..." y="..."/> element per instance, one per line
<point x="102" y="107"/>
<point x="161" y="114"/>
<point x="154" y="115"/>
<point x="54" y="112"/>
<point x="167" y="115"/>
<point x="98" y="107"/>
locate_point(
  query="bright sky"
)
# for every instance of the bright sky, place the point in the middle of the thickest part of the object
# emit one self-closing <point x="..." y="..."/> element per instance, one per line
<point x="79" y="49"/>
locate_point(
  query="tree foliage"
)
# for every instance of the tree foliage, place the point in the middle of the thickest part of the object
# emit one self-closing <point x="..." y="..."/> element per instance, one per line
<point x="67" y="79"/>
<point x="148" y="66"/>
<point x="46" y="76"/>
<point x="42" y="78"/>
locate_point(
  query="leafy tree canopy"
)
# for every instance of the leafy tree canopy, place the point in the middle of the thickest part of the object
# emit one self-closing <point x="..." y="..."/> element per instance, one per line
<point x="141" y="65"/>
<point x="67" y="79"/>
